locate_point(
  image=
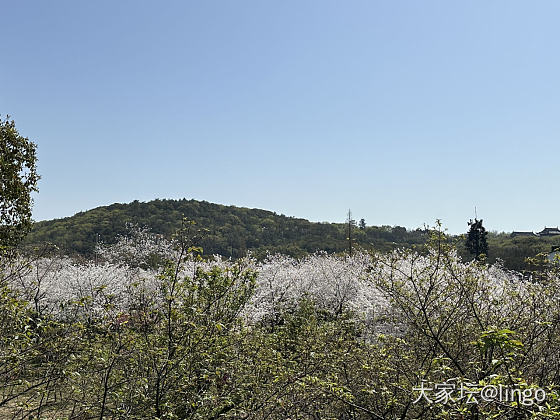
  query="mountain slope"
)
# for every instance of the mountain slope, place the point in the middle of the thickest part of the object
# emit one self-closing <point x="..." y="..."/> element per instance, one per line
<point x="232" y="231"/>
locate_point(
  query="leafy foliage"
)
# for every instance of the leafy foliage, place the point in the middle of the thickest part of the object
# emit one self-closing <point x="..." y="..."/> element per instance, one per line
<point x="18" y="179"/>
<point x="230" y="231"/>
<point x="327" y="336"/>
<point x="234" y="231"/>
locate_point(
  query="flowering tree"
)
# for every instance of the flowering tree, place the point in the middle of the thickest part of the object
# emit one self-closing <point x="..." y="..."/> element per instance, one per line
<point x="152" y="329"/>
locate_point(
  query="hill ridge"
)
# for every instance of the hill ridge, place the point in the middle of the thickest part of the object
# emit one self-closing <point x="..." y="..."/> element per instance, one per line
<point x="233" y="230"/>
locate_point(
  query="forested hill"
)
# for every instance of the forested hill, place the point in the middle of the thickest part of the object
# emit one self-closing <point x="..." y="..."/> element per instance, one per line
<point x="232" y="231"/>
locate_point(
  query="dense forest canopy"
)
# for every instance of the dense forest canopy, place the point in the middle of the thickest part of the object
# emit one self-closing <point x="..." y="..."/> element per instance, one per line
<point x="230" y="231"/>
<point x="233" y="231"/>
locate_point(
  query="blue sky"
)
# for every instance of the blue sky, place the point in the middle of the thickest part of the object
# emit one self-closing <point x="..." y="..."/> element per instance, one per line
<point x="404" y="111"/>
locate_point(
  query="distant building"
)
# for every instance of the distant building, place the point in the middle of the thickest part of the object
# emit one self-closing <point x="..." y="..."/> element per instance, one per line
<point x="514" y="234"/>
<point x="549" y="231"/>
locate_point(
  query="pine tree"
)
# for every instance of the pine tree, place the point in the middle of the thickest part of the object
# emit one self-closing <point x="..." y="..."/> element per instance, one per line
<point x="476" y="239"/>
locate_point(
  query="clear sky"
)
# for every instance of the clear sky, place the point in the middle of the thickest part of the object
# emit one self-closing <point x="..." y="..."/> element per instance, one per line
<point x="404" y="111"/>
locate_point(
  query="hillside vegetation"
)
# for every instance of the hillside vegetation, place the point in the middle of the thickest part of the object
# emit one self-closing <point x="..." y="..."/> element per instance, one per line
<point x="233" y="231"/>
<point x="328" y="336"/>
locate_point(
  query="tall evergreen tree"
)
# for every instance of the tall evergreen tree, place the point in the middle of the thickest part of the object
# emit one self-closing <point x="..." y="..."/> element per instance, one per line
<point x="476" y="242"/>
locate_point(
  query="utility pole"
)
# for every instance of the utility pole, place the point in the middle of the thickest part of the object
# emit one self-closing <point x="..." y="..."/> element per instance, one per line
<point x="350" y="221"/>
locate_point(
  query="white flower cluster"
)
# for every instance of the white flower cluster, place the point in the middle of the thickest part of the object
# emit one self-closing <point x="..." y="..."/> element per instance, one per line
<point x="136" y="248"/>
<point x="335" y="283"/>
<point x="61" y="286"/>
